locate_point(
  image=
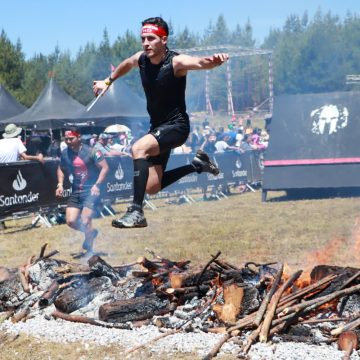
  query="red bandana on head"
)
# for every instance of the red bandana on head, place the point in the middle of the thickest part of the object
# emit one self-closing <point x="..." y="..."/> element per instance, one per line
<point x="71" y="133"/>
<point x="153" y="29"/>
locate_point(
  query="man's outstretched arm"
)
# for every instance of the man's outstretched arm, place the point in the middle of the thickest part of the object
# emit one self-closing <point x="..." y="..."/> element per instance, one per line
<point x="182" y="63"/>
<point x="123" y="68"/>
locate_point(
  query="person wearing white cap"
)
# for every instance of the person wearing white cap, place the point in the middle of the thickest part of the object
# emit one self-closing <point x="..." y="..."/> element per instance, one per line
<point x="11" y="147"/>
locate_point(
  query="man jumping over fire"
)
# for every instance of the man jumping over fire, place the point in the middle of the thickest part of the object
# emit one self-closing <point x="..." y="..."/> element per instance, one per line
<point x="163" y="75"/>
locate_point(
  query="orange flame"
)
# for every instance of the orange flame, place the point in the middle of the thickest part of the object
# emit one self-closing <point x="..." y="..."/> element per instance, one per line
<point x="156" y="281"/>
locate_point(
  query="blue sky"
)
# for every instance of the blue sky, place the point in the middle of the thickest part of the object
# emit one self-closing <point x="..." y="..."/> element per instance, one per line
<point x="43" y="24"/>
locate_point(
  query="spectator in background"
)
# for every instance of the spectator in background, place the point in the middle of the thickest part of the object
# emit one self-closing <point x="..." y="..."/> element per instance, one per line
<point x="205" y="123"/>
<point x="220" y="132"/>
<point x="103" y="146"/>
<point x="208" y="144"/>
<point x="246" y="144"/>
<point x="239" y="137"/>
<point x="34" y="144"/>
<point x="116" y="144"/>
<point x="54" y="150"/>
<point x="256" y="140"/>
<point x="89" y="169"/>
<point x="12" y="149"/>
<point x="194" y="139"/>
<point x="63" y="144"/>
<point x="264" y="138"/>
<point x="85" y="139"/>
<point x="93" y="140"/>
<point x="223" y="145"/>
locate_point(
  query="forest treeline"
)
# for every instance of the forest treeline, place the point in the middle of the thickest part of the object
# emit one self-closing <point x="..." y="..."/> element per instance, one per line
<point x="309" y="56"/>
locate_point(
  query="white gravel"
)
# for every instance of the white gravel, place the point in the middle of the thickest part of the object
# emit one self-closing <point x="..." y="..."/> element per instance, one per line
<point x="194" y="342"/>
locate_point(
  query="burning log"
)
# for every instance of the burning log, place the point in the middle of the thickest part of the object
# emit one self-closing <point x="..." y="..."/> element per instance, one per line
<point x="268" y="296"/>
<point x="139" y="308"/>
<point x="74" y="298"/>
<point x="273" y="304"/>
<point x="180" y="265"/>
<point x="190" y="277"/>
<point x="187" y="290"/>
<point x="206" y="267"/>
<point x="49" y="295"/>
<point x="233" y="296"/>
<point x="147" y="264"/>
<point x="101" y="268"/>
<point x="314" y="303"/>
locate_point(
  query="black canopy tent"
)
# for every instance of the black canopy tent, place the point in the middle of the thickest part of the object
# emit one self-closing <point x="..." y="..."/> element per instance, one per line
<point x="8" y="104"/>
<point x="120" y="104"/>
<point x="314" y="143"/>
<point x="51" y="109"/>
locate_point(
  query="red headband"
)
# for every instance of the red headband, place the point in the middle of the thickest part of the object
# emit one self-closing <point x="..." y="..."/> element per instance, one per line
<point x="71" y="133"/>
<point x="153" y="29"/>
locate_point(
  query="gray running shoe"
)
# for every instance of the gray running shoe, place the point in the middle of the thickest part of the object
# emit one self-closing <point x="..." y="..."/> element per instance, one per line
<point x="133" y="218"/>
<point x="202" y="163"/>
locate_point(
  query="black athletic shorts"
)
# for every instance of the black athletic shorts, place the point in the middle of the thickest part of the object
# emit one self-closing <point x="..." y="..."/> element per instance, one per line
<point x="169" y="136"/>
<point x="81" y="199"/>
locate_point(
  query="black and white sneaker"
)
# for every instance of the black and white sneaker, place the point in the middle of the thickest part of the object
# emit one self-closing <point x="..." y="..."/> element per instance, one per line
<point x="133" y="218"/>
<point x="202" y="163"/>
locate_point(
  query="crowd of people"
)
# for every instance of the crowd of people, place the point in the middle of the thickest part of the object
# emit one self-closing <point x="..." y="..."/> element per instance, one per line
<point x="236" y="137"/>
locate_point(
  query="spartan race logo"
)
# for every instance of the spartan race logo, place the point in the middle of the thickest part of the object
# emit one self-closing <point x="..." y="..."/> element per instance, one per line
<point x="328" y="119"/>
<point x="19" y="184"/>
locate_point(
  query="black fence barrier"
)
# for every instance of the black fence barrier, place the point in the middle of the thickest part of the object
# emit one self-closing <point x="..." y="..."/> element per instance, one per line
<point x="30" y="186"/>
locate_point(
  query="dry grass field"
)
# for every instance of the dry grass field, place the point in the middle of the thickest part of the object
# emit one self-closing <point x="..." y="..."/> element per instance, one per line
<point x="300" y="233"/>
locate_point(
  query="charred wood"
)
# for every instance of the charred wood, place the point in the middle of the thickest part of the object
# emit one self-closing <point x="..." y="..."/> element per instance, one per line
<point x="49" y="295"/>
<point x="100" y="267"/>
<point x="189" y="277"/>
<point x="139" y="308"/>
<point x="74" y="298"/>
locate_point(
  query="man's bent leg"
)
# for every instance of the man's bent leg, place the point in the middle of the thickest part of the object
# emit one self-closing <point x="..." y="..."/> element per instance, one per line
<point x="201" y="163"/>
<point x="173" y="175"/>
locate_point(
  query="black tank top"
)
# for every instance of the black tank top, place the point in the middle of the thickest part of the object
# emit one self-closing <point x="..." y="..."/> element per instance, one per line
<point x="165" y="93"/>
